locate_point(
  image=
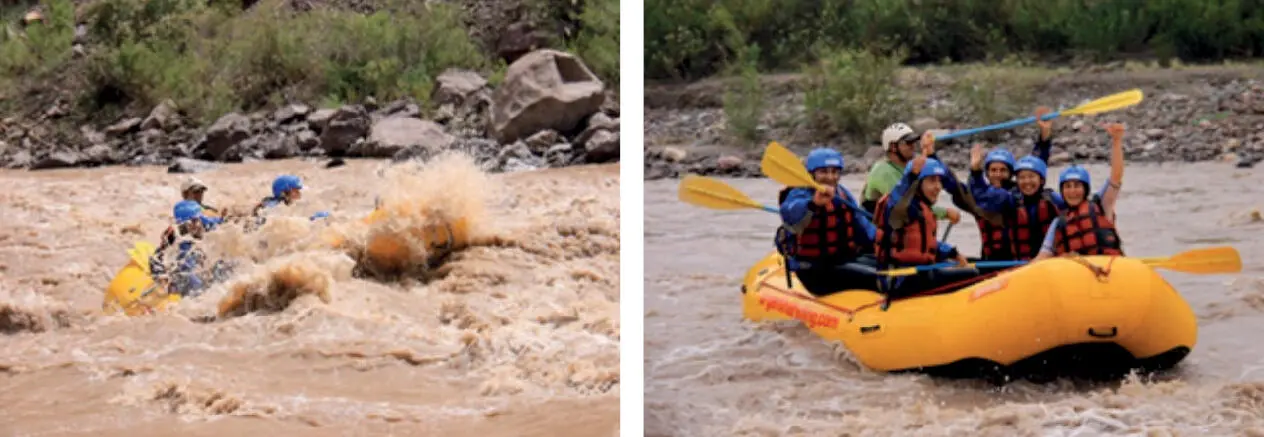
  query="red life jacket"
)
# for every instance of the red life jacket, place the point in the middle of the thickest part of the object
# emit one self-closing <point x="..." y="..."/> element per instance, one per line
<point x="1027" y="233"/>
<point x="996" y="242"/>
<point x="913" y="244"/>
<point x="829" y="235"/>
<point x="1086" y="231"/>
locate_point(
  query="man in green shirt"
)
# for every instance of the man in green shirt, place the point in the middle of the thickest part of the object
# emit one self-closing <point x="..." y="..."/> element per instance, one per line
<point x="898" y="140"/>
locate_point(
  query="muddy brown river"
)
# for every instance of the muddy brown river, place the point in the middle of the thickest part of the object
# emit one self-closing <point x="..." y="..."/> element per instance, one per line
<point x="519" y="335"/>
<point x="708" y="372"/>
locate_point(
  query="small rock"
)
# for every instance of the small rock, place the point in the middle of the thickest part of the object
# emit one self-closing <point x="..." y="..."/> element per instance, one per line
<point x="189" y="165"/>
<point x="1231" y="145"/>
<point x="923" y="124"/>
<point x="391" y="135"/>
<point x="559" y="154"/>
<point x="1059" y="158"/>
<point x="318" y="119"/>
<point x="454" y="85"/>
<point x="541" y="141"/>
<point x="602" y="147"/>
<point x="162" y="117"/>
<point x="291" y="112"/>
<point x="345" y="128"/>
<point x="123" y="127"/>
<point x="728" y="162"/>
<point x="336" y="162"/>
<point x="674" y="154"/>
<point x="227" y="132"/>
<point x="1154" y="133"/>
<point x="61" y="159"/>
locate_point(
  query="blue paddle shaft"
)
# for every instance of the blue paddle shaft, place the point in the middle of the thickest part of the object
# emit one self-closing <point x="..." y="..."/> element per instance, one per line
<point x="1006" y="125"/>
<point x="983" y="264"/>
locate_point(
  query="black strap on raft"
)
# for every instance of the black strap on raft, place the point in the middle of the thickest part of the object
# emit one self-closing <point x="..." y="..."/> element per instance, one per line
<point x="785" y="243"/>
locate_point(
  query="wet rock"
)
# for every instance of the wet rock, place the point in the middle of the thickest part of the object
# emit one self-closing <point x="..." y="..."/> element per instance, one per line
<point x="291" y="112"/>
<point x="455" y="86"/>
<point x="602" y="147"/>
<point x="728" y="163"/>
<point x="542" y="140"/>
<point x="61" y="159"/>
<point x="162" y="117"/>
<point x="123" y="127"/>
<point x="227" y="132"/>
<point x="546" y="89"/>
<point x="923" y="124"/>
<point x="518" y="39"/>
<point x="346" y="126"/>
<point x="559" y="155"/>
<point x="390" y="136"/>
<point x="318" y="119"/>
<point x="597" y="123"/>
<point x="189" y="165"/>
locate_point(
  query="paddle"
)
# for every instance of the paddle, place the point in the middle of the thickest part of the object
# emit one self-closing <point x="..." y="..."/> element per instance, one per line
<point x="140" y="255"/>
<point x="1206" y="261"/>
<point x="715" y="194"/>
<point x="1105" y="104"/>
<point x="783" y="166"/>
<point x="908" y="271"/>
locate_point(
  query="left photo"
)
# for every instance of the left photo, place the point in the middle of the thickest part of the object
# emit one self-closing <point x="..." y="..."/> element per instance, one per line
<point x="289" y="217"/>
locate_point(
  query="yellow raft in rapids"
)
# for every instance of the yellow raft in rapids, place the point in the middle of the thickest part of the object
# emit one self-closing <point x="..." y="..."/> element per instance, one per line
<point x="134" y="292"/>
<point x="1052" y="318"/>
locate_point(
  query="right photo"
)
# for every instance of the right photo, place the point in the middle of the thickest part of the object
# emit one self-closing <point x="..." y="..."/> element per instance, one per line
<point x="1003" y="218"/>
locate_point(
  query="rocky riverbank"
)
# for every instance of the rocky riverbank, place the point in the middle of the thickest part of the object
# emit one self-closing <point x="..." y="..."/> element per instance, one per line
<point x="1190" y="114"/>
<point x="549" y="111"/>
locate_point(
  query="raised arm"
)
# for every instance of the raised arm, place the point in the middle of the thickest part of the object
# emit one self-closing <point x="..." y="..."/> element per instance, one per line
<point x="1110" y="190"/>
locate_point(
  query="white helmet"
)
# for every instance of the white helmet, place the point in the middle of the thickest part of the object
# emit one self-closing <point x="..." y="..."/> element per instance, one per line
<point x="190" y="184"/>
<point x="894" y="132"/>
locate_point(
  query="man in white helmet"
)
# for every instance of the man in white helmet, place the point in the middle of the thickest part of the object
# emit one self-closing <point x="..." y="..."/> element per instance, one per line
<point x="898" y="140"/>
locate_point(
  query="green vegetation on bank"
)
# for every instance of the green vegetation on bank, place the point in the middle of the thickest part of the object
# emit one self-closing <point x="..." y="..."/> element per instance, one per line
<point x="689" y="39"/>
<point x="213" y="58"/>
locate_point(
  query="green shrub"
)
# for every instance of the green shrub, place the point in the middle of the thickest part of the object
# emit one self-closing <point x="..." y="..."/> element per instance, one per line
<point x="210" y="60"/>
<point x="853" y="93"/>
<point x="744" y="103"/>
<point x="694" y="38"/>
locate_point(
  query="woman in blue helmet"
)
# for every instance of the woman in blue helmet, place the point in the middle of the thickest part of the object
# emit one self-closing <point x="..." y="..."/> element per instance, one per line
<point x="190" y="226"/>
<point x="906" y="227"/>
<point x="286" y="189"/>
<point x="825" y="236"/>
<point x="1087" y="225"/>
<point x="1017" y="208"/>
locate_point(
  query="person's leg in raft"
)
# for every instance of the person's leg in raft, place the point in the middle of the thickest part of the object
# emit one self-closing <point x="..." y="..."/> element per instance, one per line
<point x="857" y="275"/>
<point x="905" y="286"/>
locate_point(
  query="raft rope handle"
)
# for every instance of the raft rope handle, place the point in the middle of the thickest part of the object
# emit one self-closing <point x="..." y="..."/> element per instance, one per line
<point x="886" y="303"/>
<point x="1099" y="273"/>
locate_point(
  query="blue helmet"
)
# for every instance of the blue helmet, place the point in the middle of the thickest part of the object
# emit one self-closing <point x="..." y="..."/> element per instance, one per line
<point x="1075" y="173"/>
<point x="186" y="210"/>
<point x="999" y="155"/>
<point x="1032" y="163"/>
<point x="932" y="168"/>
<point x="285" y="183"/>
<point x="824" y="158"/>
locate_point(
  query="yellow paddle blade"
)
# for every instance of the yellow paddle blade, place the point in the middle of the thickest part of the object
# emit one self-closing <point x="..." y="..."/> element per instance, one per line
<point x="1209" y="261"/>
<point x="906" y="271"/>
<point x="1109" y="103"/>
<point x="781" y="165"/>
<point x="714" y="194"/>
<point x="140" y="254"/>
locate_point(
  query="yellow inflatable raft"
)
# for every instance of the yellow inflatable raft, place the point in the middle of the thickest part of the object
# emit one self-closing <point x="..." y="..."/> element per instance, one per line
<point x="1051" y="318"/>
<point x="134" y="292"/>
